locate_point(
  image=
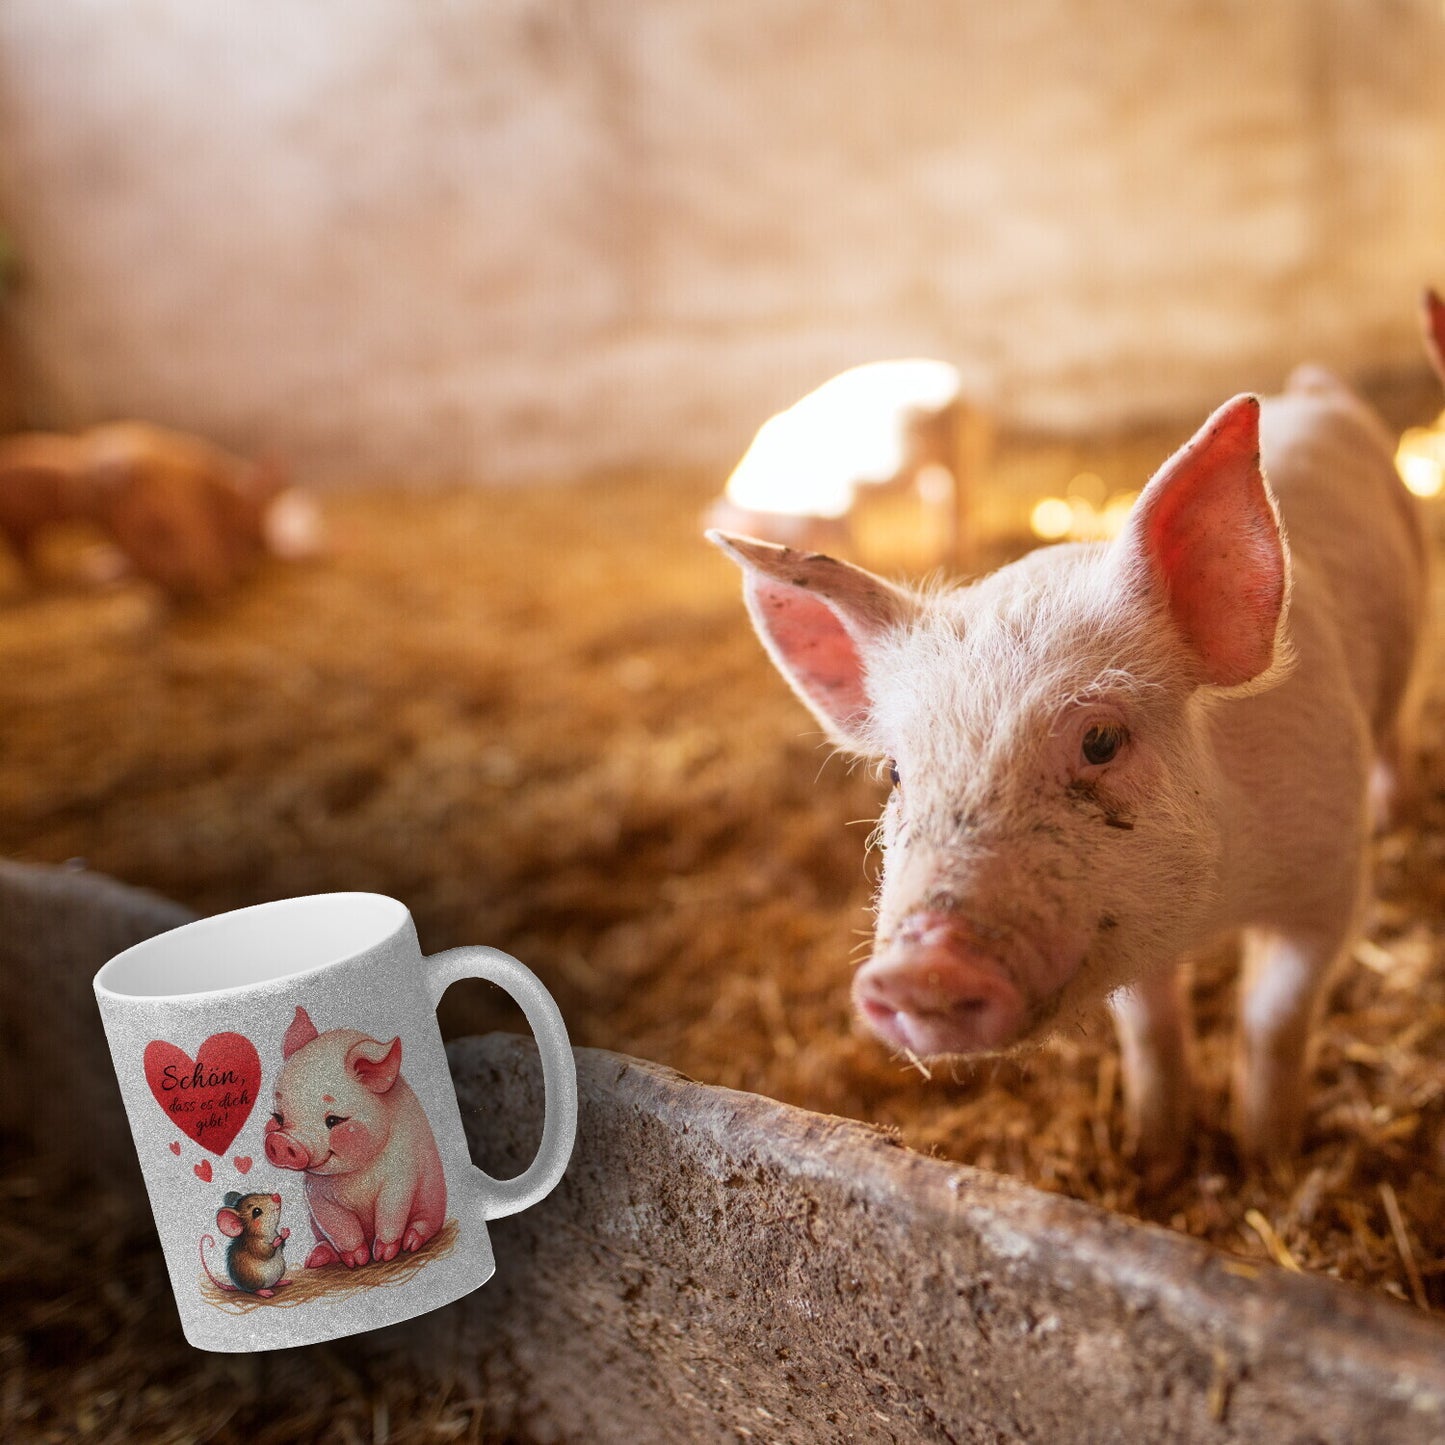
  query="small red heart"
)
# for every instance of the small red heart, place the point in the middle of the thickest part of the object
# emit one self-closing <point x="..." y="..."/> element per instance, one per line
<point x="211" y="1096"/>
<point x="176" y="1148"/>
<point x="243" y="1163"/>
<point x="203" y="1171"/>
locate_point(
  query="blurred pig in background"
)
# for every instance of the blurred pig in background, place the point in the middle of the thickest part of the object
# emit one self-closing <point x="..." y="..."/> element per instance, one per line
<point x="185" y="514"/>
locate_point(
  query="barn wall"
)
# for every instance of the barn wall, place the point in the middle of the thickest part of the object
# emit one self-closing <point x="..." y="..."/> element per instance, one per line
<point x="508" y="239"/>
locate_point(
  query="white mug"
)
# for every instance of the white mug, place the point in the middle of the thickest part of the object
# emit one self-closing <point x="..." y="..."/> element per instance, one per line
<point x="288" y="1092"/>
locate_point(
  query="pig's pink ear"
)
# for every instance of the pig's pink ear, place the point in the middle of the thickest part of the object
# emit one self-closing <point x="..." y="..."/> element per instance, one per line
<point x="1206" y="531"/>
<point x="301" y="1032"/>
<point x="1432" y="316"/>
<point x="816" y="617"/>
<point x="228" y="1222"/>
<point x="375" y="1065"/>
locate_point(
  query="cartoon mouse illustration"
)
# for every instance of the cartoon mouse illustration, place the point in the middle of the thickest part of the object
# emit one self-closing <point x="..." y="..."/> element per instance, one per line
<point x="253" y="1259"/>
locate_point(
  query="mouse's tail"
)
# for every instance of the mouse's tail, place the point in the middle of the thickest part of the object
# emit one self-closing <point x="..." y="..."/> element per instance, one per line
<point x="219" y="1283"/>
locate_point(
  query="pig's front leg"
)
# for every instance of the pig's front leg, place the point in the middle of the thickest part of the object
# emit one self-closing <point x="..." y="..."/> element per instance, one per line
<point x="322" y="1253"/>
<point x="340" y="1234"/>
<point x="393" y="1205"/>
<point x="1152" y="1019"/>
<point x="1281" y="984"/>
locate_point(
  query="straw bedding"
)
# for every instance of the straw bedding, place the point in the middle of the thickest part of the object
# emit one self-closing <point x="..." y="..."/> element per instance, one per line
<point x="540" y="719"/>
<point x="334" y="1282"/>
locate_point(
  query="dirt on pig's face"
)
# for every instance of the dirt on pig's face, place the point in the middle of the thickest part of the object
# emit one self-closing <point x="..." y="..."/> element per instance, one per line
<point x="1044" y="841"/>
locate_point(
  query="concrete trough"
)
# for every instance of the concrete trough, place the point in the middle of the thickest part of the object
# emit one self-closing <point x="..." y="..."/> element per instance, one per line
<point x="717" y="1266"/>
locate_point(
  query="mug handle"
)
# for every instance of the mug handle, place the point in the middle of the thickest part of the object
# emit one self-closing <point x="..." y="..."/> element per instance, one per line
<point x="559" y="1069"/>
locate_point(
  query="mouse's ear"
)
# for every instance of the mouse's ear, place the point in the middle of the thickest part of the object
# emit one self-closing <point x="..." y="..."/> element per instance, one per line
<point x="231" y="1200"/>
<point x="228" y="1222"/>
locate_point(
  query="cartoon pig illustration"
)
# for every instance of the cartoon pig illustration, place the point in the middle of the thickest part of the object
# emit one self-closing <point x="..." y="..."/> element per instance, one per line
<point x="346" y="1118"/>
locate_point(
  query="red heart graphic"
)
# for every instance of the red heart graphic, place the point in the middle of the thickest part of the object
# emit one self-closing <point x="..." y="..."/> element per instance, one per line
<point x="243" y="1163"/>
<point x="210" y="1097"/>
<point x="176" y="1148"/>
<point x="203" y="1171"/>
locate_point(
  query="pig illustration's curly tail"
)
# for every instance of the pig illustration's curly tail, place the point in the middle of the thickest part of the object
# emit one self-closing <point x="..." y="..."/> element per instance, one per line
<point x="219" y="1283"/>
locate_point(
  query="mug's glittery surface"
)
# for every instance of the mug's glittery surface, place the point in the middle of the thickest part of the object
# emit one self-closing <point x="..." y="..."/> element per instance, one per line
<point x="344" y="1199"/>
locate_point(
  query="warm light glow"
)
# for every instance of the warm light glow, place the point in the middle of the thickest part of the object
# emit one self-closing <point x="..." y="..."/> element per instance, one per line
<point x="1423" y="475"/>
<point x="1080" y="519"/>
<point x="935" y="485"/>
<point x="1089" y="487"/>
<point x="1052" y="518"/>
<point x="1116" y="512"/>
<point x="853" y="430"/>
<point x="1421" y="458"/>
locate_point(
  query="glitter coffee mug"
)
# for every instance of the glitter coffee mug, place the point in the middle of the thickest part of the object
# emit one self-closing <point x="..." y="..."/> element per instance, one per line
<point x="288" y="1091"/>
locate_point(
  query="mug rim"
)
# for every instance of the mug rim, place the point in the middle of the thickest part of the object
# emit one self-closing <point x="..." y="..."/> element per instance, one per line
<point x="191" y="935"/>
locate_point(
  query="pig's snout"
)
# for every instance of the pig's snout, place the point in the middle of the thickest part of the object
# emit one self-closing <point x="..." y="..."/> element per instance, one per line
<point x="284" y="1152"/>
<point x="934" y="991"/>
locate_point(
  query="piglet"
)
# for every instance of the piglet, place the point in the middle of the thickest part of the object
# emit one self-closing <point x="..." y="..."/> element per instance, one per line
<point x="184" y="513"/>
<point x="1106" y="756"/>
<point x="346" y="1118"/>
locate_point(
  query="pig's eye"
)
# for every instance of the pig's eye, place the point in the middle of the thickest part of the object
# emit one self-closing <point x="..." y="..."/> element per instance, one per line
<point x="280" y="1122"/>
<point x="332" y="1120"/>
<point x="1102" y="742"/>
<point x="893" y="772"/>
